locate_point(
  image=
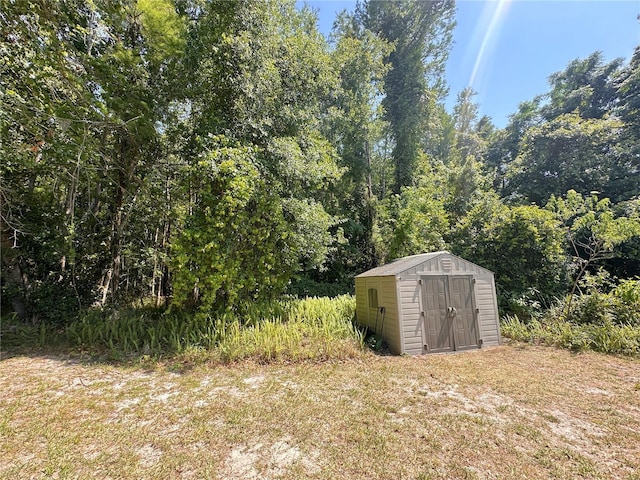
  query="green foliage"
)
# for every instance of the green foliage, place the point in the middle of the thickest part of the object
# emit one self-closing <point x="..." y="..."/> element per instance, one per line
<point x="628" y="91"/>
<point x="605" y="337"/>
<point x="421" y="34"/>
<point x="52" y="303"/>
<point x="581" y="135"/>
<point x="620" y="306"/>
<point x="355" y="128"/>
<point x="522" y="245"/>
<point x="258" y="169"/>
<point x="592" y="224"/>
<point x="308" y="286"/>
<point x="144" y="331"/>
<point x="312" y="328"/>
<point x="592" y="230"/>
<point x="77" y="133"/>
<point x="567" y="152"/>
<point x="585" y="86"/>
<point x="357" y="122"/>
<point x="234" y="246"/>
<point x="18" y="334"/>
<point x="627" y="296"/>
<point x="603" y="322"/>
<point x="163" y="28"/>
<point x="410" y="223"/>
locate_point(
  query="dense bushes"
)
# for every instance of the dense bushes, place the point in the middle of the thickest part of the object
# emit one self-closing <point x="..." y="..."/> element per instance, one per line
<point x="603" y="322"/>
<point x="621" y="306"/>
<point x="522" y="245"/>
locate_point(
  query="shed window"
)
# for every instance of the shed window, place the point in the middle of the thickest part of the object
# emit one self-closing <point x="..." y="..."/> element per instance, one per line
<point x="373" y="298"/>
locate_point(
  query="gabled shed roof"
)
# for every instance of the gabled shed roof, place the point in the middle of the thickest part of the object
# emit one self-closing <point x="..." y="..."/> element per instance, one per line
<point x="401" y="265"/>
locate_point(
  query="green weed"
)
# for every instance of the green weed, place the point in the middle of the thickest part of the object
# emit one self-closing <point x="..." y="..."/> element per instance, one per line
<point x="312" y="328"/>
<point x="605" y="337"/>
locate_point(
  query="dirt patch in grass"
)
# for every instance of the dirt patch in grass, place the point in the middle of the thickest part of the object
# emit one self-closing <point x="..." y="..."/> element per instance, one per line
<point x="509" y="412"/>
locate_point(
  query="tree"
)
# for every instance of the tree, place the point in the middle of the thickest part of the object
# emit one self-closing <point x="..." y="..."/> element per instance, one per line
<point x="592" y="231"/>
<point x="421" y="34"/>
<point x="627" y="167"/>
<point x="355" y="127"/>
<point x="576" y="136"/>
<point x="627" y="86"/>
<point x="236" y="246"/>
<point x="585" y="87"/>
<point x="464" y="166"/>
<point x="258" y="85"/>
<point x="505" y="145"/>
<point x="465" y="115"/>
<point x="413" y="222"/>
<point x="568" y="152"/>
<point x="78" y="132"/>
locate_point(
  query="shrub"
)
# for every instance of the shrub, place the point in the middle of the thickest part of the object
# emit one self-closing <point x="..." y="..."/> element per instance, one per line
<point x="627" y="302"/>
<point x="605" y="337"/>
<point x="15" y="333"/>
<point x="593" y="308"/>
<point x="621" y="306"/>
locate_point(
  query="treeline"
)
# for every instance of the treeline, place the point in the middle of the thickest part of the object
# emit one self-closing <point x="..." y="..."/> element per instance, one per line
<point x="213" y="154"/>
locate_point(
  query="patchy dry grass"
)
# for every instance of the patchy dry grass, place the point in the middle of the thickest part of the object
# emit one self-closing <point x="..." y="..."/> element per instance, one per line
<point x="506" y="412"/>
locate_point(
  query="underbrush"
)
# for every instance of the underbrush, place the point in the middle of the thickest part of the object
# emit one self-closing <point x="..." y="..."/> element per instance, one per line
<point x="287" y="330"/>
<point x="607" y="322"/>
<point x="605" y="337"/>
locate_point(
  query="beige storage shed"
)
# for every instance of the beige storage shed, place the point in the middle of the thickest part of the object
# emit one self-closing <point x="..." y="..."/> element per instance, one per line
<point x="429" y="303"/>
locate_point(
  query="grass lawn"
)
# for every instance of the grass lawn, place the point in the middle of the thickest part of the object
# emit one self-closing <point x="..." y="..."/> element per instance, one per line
<point x="515" y="411"/>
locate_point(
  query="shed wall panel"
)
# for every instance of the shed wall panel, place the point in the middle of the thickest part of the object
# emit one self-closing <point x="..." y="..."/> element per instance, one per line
<point x="361" y="302"/>
<point x="412" y="327"/>
<point x="391" y="326"/>
<point x="385" y="324"/>
<point x="488" y="316"/>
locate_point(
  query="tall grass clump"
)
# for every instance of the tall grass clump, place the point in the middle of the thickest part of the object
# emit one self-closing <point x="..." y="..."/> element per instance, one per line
<point x="311" y="328"/>
<point x="286" y="330"/>
<point x="143" y="330"/>
<point x="16" y="333"/>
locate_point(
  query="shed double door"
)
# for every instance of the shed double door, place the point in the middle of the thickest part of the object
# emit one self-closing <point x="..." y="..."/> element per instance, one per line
<point x="450" y="315"/>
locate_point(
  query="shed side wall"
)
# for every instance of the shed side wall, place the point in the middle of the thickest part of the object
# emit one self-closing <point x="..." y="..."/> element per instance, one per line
<point x="385" y="324"/>
<point x="362" y="316"/>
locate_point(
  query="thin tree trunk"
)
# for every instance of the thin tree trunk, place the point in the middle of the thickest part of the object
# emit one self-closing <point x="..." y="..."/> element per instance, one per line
<point x="367" y="152"/>
<point x="155" y="263"/>
<point x="106" y="281"/>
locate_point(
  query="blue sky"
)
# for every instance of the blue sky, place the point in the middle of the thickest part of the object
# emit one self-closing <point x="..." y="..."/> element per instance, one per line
<point x="508" y="49"/>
